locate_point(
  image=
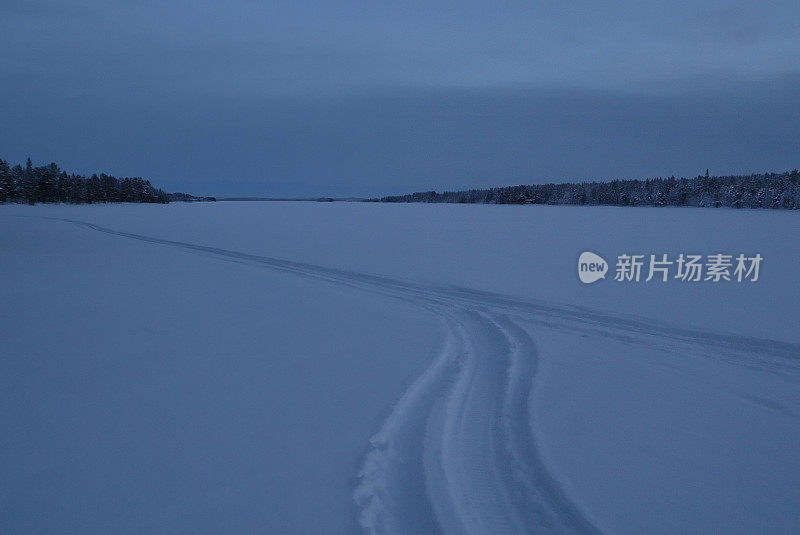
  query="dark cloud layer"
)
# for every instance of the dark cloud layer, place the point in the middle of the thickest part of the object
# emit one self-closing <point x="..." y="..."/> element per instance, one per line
<point x="362" y="99"/>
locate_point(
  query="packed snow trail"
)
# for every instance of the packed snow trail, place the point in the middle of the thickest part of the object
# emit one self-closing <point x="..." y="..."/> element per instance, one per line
<point x="457" y="453"/>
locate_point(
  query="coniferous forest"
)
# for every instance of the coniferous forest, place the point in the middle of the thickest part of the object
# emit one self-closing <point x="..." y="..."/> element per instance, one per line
<point x="769" y="190"/>
<point x="48" y="183"/>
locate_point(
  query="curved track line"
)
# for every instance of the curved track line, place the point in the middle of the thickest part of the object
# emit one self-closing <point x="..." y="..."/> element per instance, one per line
<point x="391" y="491"/>
<point x="484" y="470"/>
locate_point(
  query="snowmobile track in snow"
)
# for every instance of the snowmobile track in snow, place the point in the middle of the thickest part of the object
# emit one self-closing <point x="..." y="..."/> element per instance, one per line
<point x="457" y="453"/>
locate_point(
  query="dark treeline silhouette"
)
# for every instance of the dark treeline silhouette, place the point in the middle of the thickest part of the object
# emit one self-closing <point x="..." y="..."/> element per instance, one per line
<point x="48" y="183"/>
<point x="770" y="190"/>
<point x="185" y="197"/>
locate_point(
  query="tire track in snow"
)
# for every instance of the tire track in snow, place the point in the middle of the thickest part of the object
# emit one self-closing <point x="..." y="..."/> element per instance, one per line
<point x="457" y="453"/>
<point x="482" y="464"/>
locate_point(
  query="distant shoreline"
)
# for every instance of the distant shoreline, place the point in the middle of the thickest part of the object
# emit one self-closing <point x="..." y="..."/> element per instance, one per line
<point x="295" y="199"/>
<point x="768" y="190"/>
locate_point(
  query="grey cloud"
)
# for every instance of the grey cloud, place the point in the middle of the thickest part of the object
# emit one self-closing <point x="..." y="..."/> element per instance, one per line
<point x="367" y="98"/>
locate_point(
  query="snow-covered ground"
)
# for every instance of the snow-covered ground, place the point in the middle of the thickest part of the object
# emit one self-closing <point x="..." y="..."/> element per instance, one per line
<point x="320" y="367"/>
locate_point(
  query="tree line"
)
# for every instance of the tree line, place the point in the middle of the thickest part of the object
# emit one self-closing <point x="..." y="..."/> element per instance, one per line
<point x="48" y="183"/>
<point x="768" y="190"/>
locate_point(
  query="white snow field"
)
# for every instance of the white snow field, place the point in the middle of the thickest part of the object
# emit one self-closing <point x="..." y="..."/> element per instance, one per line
<point x="290" y="367"/>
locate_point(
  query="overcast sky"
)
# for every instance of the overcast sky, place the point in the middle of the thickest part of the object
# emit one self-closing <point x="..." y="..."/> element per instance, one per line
<point x="370" y="98"/>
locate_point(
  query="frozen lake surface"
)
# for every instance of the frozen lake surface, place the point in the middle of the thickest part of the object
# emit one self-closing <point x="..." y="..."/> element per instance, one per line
<point x="332" y="367"/>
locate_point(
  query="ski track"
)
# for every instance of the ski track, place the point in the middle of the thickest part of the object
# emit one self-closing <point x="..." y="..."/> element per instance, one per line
<point x="457" y="453"/>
